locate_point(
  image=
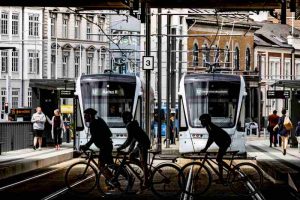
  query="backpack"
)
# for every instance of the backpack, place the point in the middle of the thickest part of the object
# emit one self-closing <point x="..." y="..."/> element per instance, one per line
<point x="288" y="125"/>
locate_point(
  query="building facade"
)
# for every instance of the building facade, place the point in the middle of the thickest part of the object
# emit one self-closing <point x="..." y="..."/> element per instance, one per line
<point x="226" y="43"/>
<point x="21" y="54"/>
<point x="178" y="31"/>
<point x="125" y="44"/>
<point x="48" y="43"/>
<point x="277" y="53"/>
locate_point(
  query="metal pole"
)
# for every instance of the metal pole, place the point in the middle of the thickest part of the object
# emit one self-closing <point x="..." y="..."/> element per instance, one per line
<point x="159" y="81"/>
<point x="259" y="94"/>
<point x="148" y="52"/>
<point x="179" y="79"/>
<point x="173" y="79"/>
<point x="168" y="83"/>
<point x="283" y="12"/>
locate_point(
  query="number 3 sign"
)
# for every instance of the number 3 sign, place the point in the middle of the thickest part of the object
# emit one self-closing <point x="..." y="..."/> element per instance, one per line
<point x="148" y="62"/>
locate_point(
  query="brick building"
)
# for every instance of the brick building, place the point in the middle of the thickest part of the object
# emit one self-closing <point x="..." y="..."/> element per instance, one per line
<point x="226" y="42"/>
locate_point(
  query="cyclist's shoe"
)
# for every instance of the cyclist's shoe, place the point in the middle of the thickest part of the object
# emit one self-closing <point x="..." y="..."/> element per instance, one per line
<point x="221" y="181"/>
<point x="112" y="183"/>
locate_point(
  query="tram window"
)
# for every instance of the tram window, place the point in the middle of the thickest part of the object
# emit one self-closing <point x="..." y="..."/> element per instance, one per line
<point x="79" y="120"/>
<point x="183" y="123"/>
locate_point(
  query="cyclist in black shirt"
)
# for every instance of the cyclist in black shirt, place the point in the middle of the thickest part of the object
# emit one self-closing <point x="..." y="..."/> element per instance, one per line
<point x="136" y="134"/>
<point x="100" y="136"/>
<point x="220" y="137"/>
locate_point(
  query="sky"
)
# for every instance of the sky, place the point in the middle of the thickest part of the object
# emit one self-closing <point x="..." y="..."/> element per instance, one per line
<point x="263" y="15"/>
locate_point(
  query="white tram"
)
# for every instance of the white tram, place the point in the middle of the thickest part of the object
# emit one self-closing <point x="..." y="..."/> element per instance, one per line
<point x="110" y="94"/>
<point x="220" y="95"/>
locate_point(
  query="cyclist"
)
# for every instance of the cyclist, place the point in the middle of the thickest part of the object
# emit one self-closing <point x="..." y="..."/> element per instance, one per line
<point x="100" y="136"/>
<point x="136" y="134"/>
<point x="220" y="137"/>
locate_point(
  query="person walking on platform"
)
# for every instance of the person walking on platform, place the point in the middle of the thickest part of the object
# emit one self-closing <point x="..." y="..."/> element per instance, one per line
<point x="38" y="119"/>
<point x="57" y="129"/>
<point x="273" y="120"/>
<point x="284" y="129"/>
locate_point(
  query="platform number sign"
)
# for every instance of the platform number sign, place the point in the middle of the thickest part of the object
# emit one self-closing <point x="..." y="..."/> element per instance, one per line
<point x="148" y="62"/>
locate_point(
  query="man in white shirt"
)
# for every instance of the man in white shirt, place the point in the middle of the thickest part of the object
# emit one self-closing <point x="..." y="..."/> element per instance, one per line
<point x="38" y="119"/>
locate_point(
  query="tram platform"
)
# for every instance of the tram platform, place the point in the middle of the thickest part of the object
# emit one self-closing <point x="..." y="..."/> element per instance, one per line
<point x="277" y="167"/>
<point x="26" y="160"/>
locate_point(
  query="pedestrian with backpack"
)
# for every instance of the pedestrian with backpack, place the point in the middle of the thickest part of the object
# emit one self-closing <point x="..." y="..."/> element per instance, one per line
<point x="284" y="129"/>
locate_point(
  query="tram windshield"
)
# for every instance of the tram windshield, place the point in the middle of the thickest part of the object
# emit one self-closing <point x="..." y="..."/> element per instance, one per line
<point x="218" y="98"/>
<point x="110" y="99"/>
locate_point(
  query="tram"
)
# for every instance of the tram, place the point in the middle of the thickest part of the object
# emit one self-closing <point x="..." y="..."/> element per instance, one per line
<point x="110" y="94"/>
<point x="220" y="95"/>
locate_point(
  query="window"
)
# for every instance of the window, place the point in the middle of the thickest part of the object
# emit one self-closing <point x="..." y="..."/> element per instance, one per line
<point x="77" y="60"/>
<point x="14" y="61"/>
<point x="101" y="25"/>
<point x="3" y="98"/>
<point x="77" y="28"/>
<point x="4" y="23"/>
<point x="205" y="55"/>
<point x="34" y="25"/>
<point x="248" y="59"/>
<point x="237" y="58"/>
<point x="195" y="55"/>
<point x="65" y="66"/>
<point x="53" y="65"/>
<point x="287" y="69"/>
<point x="33" y="62"/>
<point x="227" y="57"/>
<point x="89" y="65"/>
<point x="15" y="98"/>
<point x="297" y="69"/>
<point x="216" y="56"/>
<point x="29" y="97"/>
<point x="15" y="24"/>
<point x="101" y="61"/>
<point x="53" y="25"/>
<point x="65" y="26"/>
<point x="89" y="28"/>
<point x="274" y="71"/>
<point x="4" y="61"/>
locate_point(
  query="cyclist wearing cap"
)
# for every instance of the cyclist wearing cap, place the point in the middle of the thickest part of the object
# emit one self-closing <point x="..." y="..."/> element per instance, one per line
<point x="100" y="136"/>
<point x="220" y="137"/>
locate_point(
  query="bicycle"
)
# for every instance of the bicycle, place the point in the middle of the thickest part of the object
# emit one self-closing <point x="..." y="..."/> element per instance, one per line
<point x="244" y="178"/>
<point x="163" y="178"/>
<point x="83" y="176"/>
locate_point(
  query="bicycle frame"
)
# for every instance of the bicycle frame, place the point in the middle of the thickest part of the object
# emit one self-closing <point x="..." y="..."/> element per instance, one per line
<point x="211" y="161"/>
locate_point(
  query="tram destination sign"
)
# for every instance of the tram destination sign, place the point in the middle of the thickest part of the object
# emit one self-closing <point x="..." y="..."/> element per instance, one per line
<point x="278" y="94"/>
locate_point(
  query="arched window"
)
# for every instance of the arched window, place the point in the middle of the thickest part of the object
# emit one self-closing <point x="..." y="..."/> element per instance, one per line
<point x="248" y="59"/>
<point x="205" y="55"/>
<point x="237" y="58"/>
<point x="216" y="56"/>
<point x="227" y="57"/>
<point x="195" y="55"/>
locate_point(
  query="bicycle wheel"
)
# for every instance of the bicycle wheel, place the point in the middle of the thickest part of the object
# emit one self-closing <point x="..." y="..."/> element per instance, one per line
<point x="165" y="180"/>
<point x="116" y="184"/>
<point x="245" y="179"/>
<point x="137" y="173"/>
<point x="81" y="178"/>
<point x="196" y="178"/>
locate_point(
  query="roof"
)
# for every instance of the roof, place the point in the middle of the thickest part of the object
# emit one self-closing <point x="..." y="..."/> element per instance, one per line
<point x="124" y="4"/>
<point x="52" y="84"/>
<point x="274" y="35"/>
<point x="240" y="19"/>
<point x="287" y="83"/>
